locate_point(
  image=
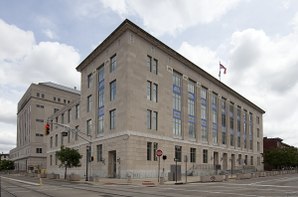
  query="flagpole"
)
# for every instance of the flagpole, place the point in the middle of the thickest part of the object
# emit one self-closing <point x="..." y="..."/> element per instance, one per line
<point x="219" y="72"/>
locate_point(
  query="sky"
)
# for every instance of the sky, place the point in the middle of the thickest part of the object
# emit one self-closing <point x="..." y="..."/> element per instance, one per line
<point x="257" y="41"/>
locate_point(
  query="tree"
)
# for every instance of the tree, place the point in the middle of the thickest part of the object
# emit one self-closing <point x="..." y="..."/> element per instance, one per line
<point x="69" y="158"/>
<point x="281" y="157"/>
<point x="6" y="165"/>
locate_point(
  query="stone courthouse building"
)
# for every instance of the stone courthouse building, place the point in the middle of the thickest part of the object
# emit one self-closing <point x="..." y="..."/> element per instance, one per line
<point x="139" y="95"/>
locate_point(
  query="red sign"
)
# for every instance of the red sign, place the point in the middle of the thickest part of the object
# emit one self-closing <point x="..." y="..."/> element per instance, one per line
<point x="158" y="152"/>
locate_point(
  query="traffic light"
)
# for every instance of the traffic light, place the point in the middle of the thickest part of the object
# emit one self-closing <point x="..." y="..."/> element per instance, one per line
<point x="47" y="129"/>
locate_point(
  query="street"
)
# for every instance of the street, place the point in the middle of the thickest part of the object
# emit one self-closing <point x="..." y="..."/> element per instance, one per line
<point x="282" y="185"/>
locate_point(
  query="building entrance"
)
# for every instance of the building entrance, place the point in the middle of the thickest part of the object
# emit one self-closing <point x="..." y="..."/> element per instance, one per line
<point x="112" y="164"/>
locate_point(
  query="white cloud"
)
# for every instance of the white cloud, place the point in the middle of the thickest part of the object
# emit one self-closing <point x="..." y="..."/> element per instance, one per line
<point x="23" y="61"/>
<point x="204" y="57"/>
<point x="171" y="16"/>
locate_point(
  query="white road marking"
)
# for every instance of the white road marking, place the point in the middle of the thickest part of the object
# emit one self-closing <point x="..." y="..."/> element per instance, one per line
<point x="26" y="182"/>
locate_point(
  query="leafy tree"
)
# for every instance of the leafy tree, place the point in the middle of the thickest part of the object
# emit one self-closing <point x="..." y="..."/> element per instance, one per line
<point x="69" y="158"/>
<point x="281" y="157"/>
<point x="6" y="165"/>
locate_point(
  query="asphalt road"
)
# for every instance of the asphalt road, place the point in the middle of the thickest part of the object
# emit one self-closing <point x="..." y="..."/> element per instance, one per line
<point x="282" y="185"/>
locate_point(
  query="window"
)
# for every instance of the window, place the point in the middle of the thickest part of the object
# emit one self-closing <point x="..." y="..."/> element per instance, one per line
<point x="258" y="120"/>
<point x="239" y="126"/>
<point x="56" y="159"/>
<point x="89" y="80"/>
<point x="204" y="119"/>
<point x="223" y="121"/>
<point x="177" y="85"/>
<point x="191" y="110"/>
<point x="149" y="84"/>
<point x="239" y="159"/>
<point x="42" y="95"/>
<point x="77" y="111"/>
<point x="178" y="153"/>
<point x="76" y="133"/>
<point x="113" y="119"/>
<point x="99" y="152"/>
<point x="231" y="124"/>
<point x="149" y="151"/>
<point x="152" y="119"/>
<point x="258" y="146"/>
<point x="250" y="130"/>
<point x="245" y="129"/>
<point x="89" y="103"/>
<point x="258" y="132"/>
<point x="38" y="150"/>
<point x="62" y="118"/>
<point x="68" y="116"/>
<point x="155" y="147"/>
<point x="54" y="98"/>
<point x="37" y="94"/>
<point x="56" y="140"/>
<point x="192" y="155"/>
<point x="152" y="65"/>
<point x="39" y="120"/>
<point x="100" y="127"/>
<point x="113" y="90"/>
<point x="51" y="142"/>
<point x="251" y="160"/>
<point x="149" y="112"/>
<point x="89" y="126"/>
<point x="51" y="160"/>
<point x="55" y="110"/>
<point x="205" y="156"/>
<point x="152" y="91"/>
<point x="68" y="136"/>
<point x="113" y="63"/>
<point x="214" y="118"/>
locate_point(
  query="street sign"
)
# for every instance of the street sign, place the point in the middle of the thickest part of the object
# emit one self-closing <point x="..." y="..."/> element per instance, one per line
<point x="158" y="152"/>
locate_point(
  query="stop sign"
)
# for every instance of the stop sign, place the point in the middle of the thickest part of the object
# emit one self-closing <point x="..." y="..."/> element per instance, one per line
<point x="158" y="152"/>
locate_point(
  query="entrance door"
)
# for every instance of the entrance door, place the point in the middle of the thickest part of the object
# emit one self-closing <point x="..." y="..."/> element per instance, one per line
<point x="225" y="161"/>
<point x="112" y="164"/>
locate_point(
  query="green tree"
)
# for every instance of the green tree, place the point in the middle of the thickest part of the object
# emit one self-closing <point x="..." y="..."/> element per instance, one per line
<point x="6" y="165"/>
<point x="69" y="158"/>
<point x="281" y="157"/>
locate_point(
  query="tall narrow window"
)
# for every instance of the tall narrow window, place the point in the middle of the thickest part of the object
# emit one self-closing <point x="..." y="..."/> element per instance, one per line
<point x="100" y="122"/>
<point x="223" y="121"/>
<point x="205" y="156"/>
<point x="89" y="80"/>
<point x="149" y="114"/>
<point x="214" y="118"/>
<point x="155" y="66"/>
<point x="89" y="103"/>
<point x="154" y="120"/>
<point x="77" y="111"/>
<point x="68" y="116"/>
<point x="192" y="155"/>
<point x="149" y="151"/>
<point x="245" y="129"/>
<point x="99" y="152"/>
<point x="89" y="126"/>
<point x="154" y="92"/>
<point x="62" y="118"/>
<point x="76" y="133"/>
<point x="250" y="130"/>
<point x="51" y="160"/>
<point x="239" y="126"/>
<point x="113" y="119"/>
<point x="56" y="140"/>
<point x="191" y="110"/>
<point x="177" y="86"/>
<point x="155" y="147"/>
<point x="113" y="63"/>
<point x="149" y="84"/>
<point x="204" y="116"/>
<point x="178" y="153"/>
<point x="113" y="90"/>
<point x="51" y="142"/>
<point x="152" y="65"/>
<point x="231" y="124"/>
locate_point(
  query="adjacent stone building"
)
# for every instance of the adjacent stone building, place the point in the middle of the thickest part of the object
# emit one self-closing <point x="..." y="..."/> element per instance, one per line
<point x="38" y="103"/>
<point x="138" y="95"/>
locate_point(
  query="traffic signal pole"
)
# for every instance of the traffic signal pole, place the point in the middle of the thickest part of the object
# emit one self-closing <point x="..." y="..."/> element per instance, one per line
<point x="88" y="147"/>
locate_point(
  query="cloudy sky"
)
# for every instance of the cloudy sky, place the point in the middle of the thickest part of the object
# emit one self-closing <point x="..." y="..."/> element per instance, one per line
<point x="256" y="40"/>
